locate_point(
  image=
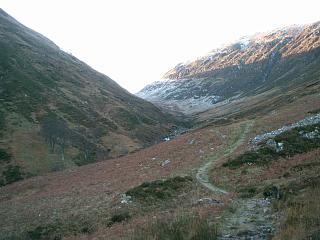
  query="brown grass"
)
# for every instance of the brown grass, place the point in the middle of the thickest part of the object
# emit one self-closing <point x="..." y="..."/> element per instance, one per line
<point x="93" y="191"/>
<point x="301" y="216"/>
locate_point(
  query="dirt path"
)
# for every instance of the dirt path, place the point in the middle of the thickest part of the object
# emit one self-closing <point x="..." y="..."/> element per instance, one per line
<point x="250" y="218"/>
<point x="203" y="172"/>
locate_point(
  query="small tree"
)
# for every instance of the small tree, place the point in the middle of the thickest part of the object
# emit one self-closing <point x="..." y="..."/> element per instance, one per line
<point x="55" y="132"/>
<point x="88" y="149"/>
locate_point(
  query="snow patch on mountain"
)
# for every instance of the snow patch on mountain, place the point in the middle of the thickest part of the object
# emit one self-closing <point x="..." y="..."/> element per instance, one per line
<point x="244" y="42"/>
<point x="182" y="95"/>
<point x="230" y="72"/>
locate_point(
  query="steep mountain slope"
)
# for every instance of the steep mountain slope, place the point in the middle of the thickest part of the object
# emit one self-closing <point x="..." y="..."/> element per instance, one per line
<point x="57" y="112"/>
<point x="280" y="59"/>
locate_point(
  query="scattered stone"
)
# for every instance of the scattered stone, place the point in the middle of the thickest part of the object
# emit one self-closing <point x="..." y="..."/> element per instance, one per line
<point x="126" y="199"/>
<point x="311" y="135"/>
<point x="165" y="163"/>
<point x="253" y="215"/>
<point x="174" y="132"/>
<point x="210" y="201"/>
<point x="275" y="145"/>
<point x="302" y="123"/>
<point x="279" y="146"/>
<point x="191" y="141"/>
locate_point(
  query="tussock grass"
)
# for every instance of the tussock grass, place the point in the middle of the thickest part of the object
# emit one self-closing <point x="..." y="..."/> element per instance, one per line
<point x="119" y="217"/>
<point x="248" y="191"/>
<point x="159" y="190"/>
<point x="302" y="218"/>
<point x="59" y="228"/>
<point x="179" y="228"/>
<point x="260" y="157"/>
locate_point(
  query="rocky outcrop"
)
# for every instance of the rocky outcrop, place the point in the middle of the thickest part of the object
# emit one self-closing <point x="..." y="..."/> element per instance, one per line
<point x="311" y="120"/>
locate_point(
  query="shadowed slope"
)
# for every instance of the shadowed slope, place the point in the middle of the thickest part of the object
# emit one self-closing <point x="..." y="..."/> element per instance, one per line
<point x="57" y="112"/>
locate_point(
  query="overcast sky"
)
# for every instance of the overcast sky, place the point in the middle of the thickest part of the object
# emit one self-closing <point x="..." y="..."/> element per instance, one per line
<point x="136" y="41"/>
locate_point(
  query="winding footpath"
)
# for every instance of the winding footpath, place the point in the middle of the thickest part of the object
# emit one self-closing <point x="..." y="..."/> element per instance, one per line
<point x="252" y="219"/>
<point x="202" y="175"/>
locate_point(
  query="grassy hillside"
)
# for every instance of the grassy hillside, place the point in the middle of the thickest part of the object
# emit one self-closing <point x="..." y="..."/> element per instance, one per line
<point x="57" y="112"/>
<point x="167" y="201"/>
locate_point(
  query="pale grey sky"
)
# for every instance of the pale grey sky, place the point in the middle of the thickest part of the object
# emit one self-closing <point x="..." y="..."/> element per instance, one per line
<point x="136" y="42"/>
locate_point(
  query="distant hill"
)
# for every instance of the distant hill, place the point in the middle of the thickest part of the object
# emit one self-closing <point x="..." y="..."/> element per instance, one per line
<point x="280" y="59"/>
<point x="57" y="112"/>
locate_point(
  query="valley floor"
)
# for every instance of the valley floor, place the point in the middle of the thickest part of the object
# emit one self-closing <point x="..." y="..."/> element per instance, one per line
<point x="89" y="202"/>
